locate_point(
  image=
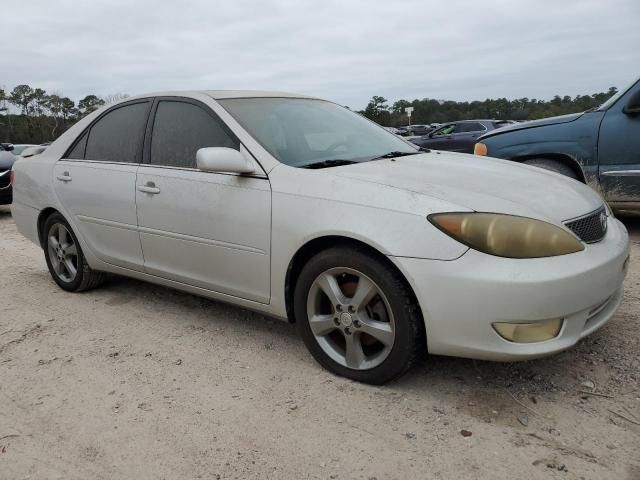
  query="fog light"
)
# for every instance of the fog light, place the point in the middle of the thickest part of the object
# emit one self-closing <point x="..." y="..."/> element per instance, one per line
<point x="529" y="332"/>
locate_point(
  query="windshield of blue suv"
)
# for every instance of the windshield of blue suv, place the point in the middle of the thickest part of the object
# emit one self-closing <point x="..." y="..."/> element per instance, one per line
<point x="303" y="132"/>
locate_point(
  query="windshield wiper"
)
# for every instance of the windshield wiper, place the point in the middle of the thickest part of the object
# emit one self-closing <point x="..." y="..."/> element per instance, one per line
<point x="329" y="163"/>
<point x="399" y="154"/>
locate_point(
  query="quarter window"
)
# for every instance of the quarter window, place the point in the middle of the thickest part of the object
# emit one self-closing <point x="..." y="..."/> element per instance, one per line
<point x="180" y="129"/>
<point x="117" y="136"/>
<point x="78" y="151"/>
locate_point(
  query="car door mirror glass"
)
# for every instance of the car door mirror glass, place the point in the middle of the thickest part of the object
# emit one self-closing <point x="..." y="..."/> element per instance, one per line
<point x="222" y="159"/>
<point x="633" y="105"/>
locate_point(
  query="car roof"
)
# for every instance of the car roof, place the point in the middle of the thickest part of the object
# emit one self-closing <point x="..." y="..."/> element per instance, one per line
<point x="476" y="120"/>
<point x="223" y="94"/>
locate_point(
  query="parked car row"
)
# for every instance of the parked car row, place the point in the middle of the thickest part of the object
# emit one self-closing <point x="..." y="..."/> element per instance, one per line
<point x="458" y="136"/>
<point x="301" y="209"/>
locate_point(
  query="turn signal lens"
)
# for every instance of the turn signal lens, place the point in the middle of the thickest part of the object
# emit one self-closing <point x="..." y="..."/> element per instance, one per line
<point x="480" y="149"/>
<point x="529" y="332"/>
<point x="507" y="235"/>
<point x="12" y="178"/>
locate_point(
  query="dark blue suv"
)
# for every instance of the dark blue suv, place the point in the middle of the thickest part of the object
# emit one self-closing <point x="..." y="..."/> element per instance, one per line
<point x="600" y="147"/>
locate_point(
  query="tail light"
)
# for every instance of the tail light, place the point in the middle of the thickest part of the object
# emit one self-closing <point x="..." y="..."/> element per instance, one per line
<point x="12" y="178"/>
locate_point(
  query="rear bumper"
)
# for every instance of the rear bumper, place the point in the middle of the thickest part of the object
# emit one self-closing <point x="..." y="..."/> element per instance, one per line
<point x="460" y="299"/>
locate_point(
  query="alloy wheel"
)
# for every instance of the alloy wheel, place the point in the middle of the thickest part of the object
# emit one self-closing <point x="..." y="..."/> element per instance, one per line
<point x="350" y="318"/>
<point x="63" y="252"/>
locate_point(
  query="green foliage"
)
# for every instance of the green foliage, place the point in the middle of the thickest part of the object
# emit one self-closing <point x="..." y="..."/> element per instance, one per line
<point x="429" y="110"/>
<point x="31" y="115"/>
<point x="378" y="110"/>
<point x="89" y="103"/>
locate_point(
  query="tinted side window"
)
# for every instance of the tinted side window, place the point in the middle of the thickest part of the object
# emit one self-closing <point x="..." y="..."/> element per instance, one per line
<point x="117" y="136"/>
<point x="78" y="151"/>
<point x="180" y="129"/>
<point x="471" y="127"/>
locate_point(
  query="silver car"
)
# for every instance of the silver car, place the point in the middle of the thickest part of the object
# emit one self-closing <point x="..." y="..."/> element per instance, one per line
<point x="303" y="210"/>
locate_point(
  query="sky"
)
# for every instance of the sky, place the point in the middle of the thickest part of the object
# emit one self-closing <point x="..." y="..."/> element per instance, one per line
<point x="345" y="51"/>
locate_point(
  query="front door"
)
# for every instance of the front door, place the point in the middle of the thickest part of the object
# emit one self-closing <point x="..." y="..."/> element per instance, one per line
<point x="441" y="139"/>
<point x="210" y="230"/>
<point x="619" y="153"/>
<point x="96" y="183"/>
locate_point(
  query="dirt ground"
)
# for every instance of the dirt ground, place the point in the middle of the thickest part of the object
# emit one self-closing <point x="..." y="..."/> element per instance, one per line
<point x="137" y="381"/>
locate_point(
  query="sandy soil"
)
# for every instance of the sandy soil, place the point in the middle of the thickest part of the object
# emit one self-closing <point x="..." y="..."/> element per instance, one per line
<point x="138" y="381"/>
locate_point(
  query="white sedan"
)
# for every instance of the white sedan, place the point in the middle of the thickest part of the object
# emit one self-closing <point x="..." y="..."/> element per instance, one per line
<point x="303" y="210"/>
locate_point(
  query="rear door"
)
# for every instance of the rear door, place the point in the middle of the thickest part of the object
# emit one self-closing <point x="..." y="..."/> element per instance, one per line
<point x="619" y="153"/>
<point x="96" y="179"/>
<point x="210" y="230"/>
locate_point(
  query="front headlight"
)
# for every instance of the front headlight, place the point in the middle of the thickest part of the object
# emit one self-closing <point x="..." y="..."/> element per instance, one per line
<point x="507" y="235"/>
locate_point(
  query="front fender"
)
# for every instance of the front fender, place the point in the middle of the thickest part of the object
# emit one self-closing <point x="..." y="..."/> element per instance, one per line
<point x="576" y="141"/>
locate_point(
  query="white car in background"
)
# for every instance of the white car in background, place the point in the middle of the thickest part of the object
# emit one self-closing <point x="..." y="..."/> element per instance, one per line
<point x="300" y="209"/>
<point x="18" y="148"/>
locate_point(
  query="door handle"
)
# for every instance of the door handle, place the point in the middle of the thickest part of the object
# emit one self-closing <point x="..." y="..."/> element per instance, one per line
<point x="65" y="177"/>
<point x="149" y="187"/>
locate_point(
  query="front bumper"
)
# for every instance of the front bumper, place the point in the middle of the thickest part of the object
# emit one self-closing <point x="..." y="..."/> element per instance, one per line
<point x="6" y="192"/>
<point x="460" y="299"/>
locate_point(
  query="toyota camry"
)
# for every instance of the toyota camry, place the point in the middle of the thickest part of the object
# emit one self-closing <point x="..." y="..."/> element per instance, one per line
<point x="300" y="209"/>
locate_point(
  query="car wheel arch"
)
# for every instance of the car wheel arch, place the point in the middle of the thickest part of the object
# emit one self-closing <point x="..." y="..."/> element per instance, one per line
<point x="567" y="160"/>
<point x="318" y="244"/>
<point x="42" y="218"/>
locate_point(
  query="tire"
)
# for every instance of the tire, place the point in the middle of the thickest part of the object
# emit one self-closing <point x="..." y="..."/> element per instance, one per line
<point x="67" y="265"/>
<point x="553" y="165"/>
<point x="387" y="323"/>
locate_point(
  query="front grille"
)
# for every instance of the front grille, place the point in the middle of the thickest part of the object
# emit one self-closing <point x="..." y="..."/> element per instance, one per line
<point x="589" y="228"/>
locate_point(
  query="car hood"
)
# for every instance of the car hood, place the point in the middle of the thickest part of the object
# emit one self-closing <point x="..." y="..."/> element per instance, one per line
<point x="534" y="123"/>
<point x="481" y="184"/>
<point x="6" y="160"/>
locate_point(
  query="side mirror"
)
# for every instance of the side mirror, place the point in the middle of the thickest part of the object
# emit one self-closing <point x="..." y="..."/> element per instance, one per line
<point x="222" y="159"/>
<point x="633" y="105"/>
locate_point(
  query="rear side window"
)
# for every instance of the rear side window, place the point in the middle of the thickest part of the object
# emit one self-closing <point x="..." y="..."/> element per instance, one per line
<point x="180" y="129"/>
<point x="470" y="127"/>
<point x="118" y="135"/>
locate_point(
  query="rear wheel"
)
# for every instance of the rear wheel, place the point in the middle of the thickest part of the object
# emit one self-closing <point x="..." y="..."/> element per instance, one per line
<point x="66" y="263"/>
<point x="553" y="165"/>
<point x="357" y="316"/>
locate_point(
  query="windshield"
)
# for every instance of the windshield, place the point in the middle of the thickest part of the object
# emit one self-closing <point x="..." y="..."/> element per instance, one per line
<point x="301" y="132"/>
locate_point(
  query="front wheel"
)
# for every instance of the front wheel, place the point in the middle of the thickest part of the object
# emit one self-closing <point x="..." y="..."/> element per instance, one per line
<point x="357" y="316"/>
<point x="67" y="265"/>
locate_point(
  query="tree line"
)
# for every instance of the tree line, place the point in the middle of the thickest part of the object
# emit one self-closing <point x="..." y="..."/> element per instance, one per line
<point x="31" y="115"/>
<point x="429" y="110"/>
